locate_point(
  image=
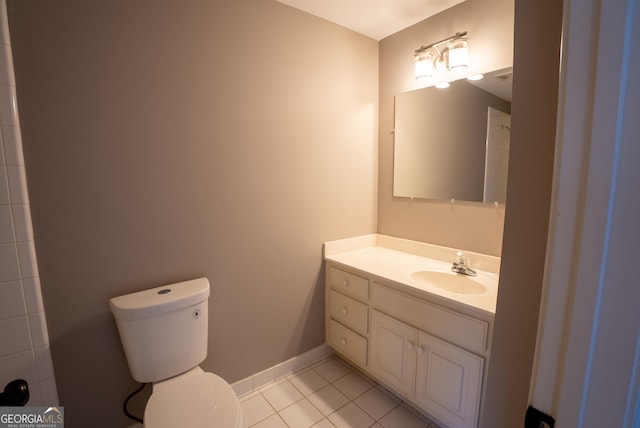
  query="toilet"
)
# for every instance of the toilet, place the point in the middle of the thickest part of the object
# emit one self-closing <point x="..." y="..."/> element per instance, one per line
<point x="163" y="331"/>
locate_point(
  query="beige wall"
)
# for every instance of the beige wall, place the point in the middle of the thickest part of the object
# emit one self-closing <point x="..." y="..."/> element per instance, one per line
<point x="536" y="66"/>
<point x="168" y="140"/>
<point x="468" y="226"/>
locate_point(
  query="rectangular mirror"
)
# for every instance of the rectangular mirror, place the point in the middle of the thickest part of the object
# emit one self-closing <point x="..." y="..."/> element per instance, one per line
<point x="453" y="143"/>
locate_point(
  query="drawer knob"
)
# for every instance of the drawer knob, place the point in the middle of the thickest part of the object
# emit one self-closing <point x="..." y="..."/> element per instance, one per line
<point x="344" y="342"/>
<point x="345" y="283"/>
<point x="344" y="311"/>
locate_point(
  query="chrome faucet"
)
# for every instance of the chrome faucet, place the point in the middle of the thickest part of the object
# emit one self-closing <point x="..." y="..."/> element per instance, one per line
<point x="460" y="265"/>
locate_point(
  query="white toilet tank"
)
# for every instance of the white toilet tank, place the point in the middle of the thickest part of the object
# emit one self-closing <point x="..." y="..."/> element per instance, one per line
<point x="164" y="329"/>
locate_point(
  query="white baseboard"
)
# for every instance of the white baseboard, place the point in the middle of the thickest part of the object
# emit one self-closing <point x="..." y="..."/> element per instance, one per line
<point x="270" y="375"/>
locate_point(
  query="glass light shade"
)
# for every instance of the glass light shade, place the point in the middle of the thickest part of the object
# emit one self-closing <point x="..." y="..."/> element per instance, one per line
<point x="475" y="77"/>
<point x="458" y="54"/>
<point x="442" y="85"/>
<point x="424" y="65"/>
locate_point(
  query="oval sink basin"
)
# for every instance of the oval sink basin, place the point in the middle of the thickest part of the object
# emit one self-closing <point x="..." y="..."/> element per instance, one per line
<point x="453" y="282"/>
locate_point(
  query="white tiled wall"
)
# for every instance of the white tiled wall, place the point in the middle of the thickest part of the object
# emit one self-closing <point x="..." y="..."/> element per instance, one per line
<point x="24" y="341"/>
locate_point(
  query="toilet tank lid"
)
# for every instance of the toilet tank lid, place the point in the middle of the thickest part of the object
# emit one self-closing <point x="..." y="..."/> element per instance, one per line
<point x="159" y="300"/>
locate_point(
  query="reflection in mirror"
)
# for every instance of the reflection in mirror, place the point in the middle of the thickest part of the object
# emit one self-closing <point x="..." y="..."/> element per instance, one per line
<point x="454" y="143"/>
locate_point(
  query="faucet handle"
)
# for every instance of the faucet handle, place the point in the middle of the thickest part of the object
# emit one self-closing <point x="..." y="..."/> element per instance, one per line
<point x="460" y="259"/>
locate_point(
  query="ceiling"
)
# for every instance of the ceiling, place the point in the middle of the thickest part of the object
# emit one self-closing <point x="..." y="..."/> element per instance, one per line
<point x="374" y="18"/>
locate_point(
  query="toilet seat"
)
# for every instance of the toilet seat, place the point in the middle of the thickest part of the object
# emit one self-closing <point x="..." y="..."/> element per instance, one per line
<point x="195" y="399"/>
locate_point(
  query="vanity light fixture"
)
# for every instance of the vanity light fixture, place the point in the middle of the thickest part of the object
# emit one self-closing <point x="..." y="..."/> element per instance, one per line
<point x="439" y="58"/>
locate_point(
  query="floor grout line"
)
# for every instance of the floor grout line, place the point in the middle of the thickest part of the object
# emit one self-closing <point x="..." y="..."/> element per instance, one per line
<point x="336" y="376"/>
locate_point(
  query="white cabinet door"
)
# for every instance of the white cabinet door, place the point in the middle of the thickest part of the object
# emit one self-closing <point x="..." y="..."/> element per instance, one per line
<point x="392" y="352"/>
<point x="449" y="382"/>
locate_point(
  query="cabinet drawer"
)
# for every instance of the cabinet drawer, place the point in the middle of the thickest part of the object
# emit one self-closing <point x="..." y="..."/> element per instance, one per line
<point x="349" y="284"/>
<point x="348" y="311"/>
<point x="348" y="343"/>
<point x="462" y="330"/>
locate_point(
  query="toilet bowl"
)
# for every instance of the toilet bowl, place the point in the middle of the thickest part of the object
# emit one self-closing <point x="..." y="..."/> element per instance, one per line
<point x="163" y="332"/>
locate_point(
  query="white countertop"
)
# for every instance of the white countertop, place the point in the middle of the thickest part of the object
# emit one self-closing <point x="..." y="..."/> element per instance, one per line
<point x="395" y="259"/>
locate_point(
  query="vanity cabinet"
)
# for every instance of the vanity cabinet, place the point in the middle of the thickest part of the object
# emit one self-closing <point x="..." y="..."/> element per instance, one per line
<point x="432" y="356"/>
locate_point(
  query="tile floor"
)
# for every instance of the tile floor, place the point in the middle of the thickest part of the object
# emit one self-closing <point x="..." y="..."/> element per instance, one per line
<point x="328" y="394"/>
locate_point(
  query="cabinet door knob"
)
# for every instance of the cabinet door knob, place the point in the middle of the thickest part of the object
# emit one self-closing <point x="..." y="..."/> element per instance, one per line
<point x="343" y="341"/>
<point x="344" y="311"/>
<point x="409" y="345"/>
<point x="420" y="350"/>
